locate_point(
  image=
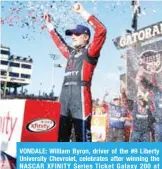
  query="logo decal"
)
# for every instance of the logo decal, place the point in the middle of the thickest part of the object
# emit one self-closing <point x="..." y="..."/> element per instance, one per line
<point x="41" y="125"/>
<point x="152" y="61"/>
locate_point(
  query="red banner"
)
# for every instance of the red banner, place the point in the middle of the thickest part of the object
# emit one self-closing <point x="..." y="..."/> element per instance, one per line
<point x="41" y="121"/>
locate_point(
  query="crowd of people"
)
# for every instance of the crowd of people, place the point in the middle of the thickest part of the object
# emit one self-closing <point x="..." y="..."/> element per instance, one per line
<point x="25" y="95"/>
<point x="138" y="120"/>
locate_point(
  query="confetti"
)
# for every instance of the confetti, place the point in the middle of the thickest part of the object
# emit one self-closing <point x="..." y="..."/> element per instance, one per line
<point x="27" y="15"/>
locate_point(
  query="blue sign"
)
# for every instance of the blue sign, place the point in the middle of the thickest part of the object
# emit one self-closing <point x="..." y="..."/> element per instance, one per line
<point x="50" y="155"/>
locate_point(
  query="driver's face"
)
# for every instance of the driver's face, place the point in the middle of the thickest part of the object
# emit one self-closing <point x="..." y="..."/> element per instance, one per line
<point x="79" y="40"/>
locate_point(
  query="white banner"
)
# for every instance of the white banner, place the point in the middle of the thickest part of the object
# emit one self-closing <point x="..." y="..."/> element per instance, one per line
<point x="11" y="122"/>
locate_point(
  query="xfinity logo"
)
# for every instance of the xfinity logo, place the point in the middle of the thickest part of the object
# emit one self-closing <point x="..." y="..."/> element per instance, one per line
<point x="41" y="125"/>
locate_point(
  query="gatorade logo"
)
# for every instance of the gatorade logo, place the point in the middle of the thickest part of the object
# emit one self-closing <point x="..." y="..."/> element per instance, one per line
<point x="41" y="125"/>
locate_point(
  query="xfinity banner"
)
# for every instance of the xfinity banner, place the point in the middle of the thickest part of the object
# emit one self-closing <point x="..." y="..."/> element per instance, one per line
<point x="141" y="35"/>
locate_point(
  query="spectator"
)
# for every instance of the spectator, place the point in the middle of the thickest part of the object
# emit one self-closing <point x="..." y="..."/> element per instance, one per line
<point x="117" y="118"/>
<point x="142" y="120"/>
<point x="128" y="123"/>
<point x="156" y="91"/>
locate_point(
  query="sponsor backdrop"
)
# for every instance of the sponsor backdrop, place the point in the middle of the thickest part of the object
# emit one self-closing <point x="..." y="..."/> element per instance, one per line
<point x="151" y="54"/>
<point x="143" y="45"/>
<point x="27" y="121"/>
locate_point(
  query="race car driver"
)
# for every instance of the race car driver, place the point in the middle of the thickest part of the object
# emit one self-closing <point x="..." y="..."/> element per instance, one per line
<point x="82" y="58"/>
